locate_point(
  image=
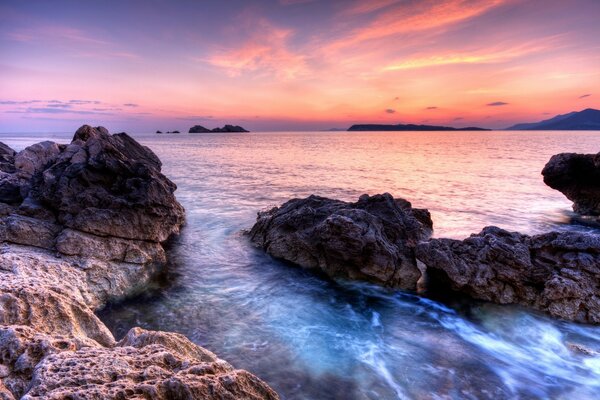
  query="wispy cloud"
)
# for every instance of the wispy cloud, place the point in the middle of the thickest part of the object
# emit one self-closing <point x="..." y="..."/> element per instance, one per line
<point x="130" y="105"/>
<point x="390" y="111"/>
<point x="497" y="104"/>
<point x="265" y="51"/>
<point x="584" y="96"/>
<point x="431" y="108"/>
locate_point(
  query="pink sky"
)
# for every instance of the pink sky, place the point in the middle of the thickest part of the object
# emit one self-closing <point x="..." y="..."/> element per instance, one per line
<point x="294" y="64"/>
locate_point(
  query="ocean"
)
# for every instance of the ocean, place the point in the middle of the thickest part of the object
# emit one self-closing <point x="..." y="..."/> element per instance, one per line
<point x="313" y="338"/>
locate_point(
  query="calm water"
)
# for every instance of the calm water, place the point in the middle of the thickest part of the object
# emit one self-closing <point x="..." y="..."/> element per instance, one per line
<point x="310" y="338"/>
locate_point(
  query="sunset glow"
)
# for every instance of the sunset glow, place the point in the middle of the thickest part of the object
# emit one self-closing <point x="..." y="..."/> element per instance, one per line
<point x="295" y="64"/>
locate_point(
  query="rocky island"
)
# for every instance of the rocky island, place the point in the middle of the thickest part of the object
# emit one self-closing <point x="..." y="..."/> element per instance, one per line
<point x="384" y="240"/>
<point x="226" y="128"/>
<point x="81" y="225"/>
<point x="409" y="127"/>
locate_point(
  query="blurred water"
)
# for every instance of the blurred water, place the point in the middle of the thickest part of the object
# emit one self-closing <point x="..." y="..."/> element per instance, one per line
<point x="311" y="338"/>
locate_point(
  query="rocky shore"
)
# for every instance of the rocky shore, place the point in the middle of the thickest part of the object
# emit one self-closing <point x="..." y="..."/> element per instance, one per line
<point x="80" y="225"/>
<point x="384" y="240"/>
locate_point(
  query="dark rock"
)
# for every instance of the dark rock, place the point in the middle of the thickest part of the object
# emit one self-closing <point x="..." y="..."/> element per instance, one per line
<point x="111" y="186"/>
<point x="577" y="176"/>
<point x="158" y="131"/>
<point x="372" y="239"/>
<point x="7" y="159"/>
<point x="198" y="129"/>
<point x="558" y="273"/>
<point x="230" y="128"/>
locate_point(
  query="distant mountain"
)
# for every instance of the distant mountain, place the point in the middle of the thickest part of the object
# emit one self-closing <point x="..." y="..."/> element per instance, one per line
<point x="410" y="127"/>
<point x="586" y="120"/>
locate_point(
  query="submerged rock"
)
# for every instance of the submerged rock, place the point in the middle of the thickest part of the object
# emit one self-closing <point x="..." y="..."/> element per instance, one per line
<point x="81" y="225"/>
<point x="557" y="272"/>
<point x="577" y="176"/>
<point x="372" y="239"/>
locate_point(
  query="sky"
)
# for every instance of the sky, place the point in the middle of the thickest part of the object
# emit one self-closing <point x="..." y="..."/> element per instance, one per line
<point x="140" y="66"/>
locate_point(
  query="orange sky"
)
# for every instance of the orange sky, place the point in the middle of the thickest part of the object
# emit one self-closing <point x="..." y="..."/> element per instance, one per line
<point x="294" y="64"/>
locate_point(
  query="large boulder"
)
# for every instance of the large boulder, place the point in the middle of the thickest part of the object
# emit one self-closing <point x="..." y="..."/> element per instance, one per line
<point x="102" y="178"/>
<point x="558" y="273"/>
<point x="577" y="176"/>
<point x="372" y="239"/>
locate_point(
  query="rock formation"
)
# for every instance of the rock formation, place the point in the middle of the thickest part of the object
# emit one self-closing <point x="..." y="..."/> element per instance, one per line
<point x="386" y="241"/>
<point x="577" y="176"/>
<point x="372" y="239"/>
<point x="558" y="273"/>
<point x="80" y="225"/>
<point x="226" y="128"/>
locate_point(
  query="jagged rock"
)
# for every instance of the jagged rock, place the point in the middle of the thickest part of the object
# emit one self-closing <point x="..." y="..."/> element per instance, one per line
<point x="10" y="188"/>
<point x="372" y="239"/>
<point x="35" y="158"/>
<point x="119" y="181"/>
<point x="577" y="176"/>
<point x="558" y="273"/>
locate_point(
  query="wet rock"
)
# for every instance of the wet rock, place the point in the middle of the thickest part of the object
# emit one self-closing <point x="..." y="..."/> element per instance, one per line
<point x="558" y="273"/>
<point x="577" y="176"/>
<point x="372" y="239"/>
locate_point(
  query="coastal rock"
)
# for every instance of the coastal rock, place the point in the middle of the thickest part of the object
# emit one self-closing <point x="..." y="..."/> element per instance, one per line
<point x="372" y="239"/>
<point x="577" y="176"/>
<point x="102" y="177"/>
<point x="153" y="367"/>
<point x="230" y="128"/>
<point x="85" y="226"/>
<point x="558" y="273"/>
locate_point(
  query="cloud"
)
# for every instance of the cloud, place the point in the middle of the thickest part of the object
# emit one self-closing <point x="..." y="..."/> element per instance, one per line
<point x="458" y="119"/>
<point x="431" y="108"/>
<point x="294" y="2"/>
<point x="14" y="102"/>
<point x="390" y="111"/>
<point x="265" y="51"/>
<point x="81" y="102"/>
<point x="496" y="104"/>
<point x="130" y="105"/>
<point x="584" y="96"/>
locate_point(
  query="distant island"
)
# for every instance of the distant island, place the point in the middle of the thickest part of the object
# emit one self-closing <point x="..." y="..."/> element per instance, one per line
<point x="410" y="127"/>
<point x="585" y="120"/>
<point x="226" y="128"/>
<point x="160" y="132"/>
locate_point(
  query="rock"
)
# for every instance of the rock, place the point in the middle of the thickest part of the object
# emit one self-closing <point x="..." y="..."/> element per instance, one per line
<point x="158" y="132"/>
<point x="558" y="273"/>
<point x="7" y="158"/>
<point x="230" y="128"/>
<point x="153" y="367"/>
<point x="198" y="129"/>
<point x="83" y="225"/>
<point x="577" y="176"/>
<point x="19" y="229"/>
<point x="35" y="158"/>
<point x="118" y="181"/>
<point x="372" y="239"/>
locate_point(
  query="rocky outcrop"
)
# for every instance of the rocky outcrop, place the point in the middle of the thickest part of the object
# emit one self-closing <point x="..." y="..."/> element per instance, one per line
<point x="577" y="176"/>
<point x="384" y="240"/>
<point x="558" y="273"/>
<point x="80" y="225"/>
<point x="226" y="128"/>
<point x="372" y="239"/>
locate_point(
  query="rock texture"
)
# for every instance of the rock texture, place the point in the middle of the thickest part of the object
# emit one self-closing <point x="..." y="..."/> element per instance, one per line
<point x="577" y="176"/>
<point x="384" y="240"/>
<point x="372" y="239"/>
<point x="80" y="225"/>
<point x="558" y="273"/>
